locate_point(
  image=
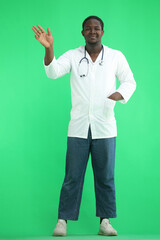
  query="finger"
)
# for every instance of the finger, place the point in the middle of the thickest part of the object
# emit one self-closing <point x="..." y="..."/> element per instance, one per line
<point x="48" y="30"/>
<point x="36" y="30"/>
<point x="36" y="37"/>
<point x="42" y="30"/>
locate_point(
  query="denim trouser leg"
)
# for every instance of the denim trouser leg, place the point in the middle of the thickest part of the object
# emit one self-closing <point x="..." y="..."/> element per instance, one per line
<point x="103" y="158"/>
<point x="76" y="162"/>
<point x="103" y="163"/>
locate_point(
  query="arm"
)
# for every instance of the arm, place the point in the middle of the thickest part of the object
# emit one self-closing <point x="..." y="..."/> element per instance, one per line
<point x="126" y="79"/>
<point x="47" y="41"/>
<point x="49" y="55"/>
<point x="54" y="68"/>
<point x="57" y="67"/>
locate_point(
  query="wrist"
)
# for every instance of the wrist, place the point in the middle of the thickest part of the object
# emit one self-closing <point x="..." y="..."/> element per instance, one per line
<point x="49" y="48"/>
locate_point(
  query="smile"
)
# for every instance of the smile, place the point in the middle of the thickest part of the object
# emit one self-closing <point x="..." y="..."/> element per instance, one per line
<point x="92" y="37"/>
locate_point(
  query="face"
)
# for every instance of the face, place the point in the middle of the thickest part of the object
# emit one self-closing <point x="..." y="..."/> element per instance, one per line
<point x="92" y="31"/>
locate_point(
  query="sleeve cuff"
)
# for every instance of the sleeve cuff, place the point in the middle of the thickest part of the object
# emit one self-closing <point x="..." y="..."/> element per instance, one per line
<point x="125" y="100"/>
<point x="126" y="90"/>
<point x="51" y="63"/>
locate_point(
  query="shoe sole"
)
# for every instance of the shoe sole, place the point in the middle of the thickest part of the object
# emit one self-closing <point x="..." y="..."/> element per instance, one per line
<point x="107" y="234"/>
<point x="59" y="234"/>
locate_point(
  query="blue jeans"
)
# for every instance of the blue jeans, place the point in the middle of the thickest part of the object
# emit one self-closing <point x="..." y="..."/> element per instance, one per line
<point x="103" y="163"/>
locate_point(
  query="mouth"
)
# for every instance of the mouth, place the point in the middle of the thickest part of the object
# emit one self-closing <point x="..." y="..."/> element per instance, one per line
<point x="92" y="37"/>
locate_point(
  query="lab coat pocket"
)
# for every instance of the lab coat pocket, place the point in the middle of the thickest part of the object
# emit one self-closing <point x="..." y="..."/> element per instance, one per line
<point x="108" y="111"/>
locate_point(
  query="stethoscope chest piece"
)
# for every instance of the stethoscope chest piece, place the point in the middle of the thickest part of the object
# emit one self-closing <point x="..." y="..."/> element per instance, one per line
<point x="101" y="63"/>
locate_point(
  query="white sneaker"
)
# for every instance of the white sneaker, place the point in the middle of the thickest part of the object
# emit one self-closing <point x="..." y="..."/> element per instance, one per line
<point x="106" y="228"/>
<point x="61" y="228"/>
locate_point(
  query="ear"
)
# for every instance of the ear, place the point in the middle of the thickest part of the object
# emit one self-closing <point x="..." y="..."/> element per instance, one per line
<point x="102" y="32"/>
<point x="82" y="32"/>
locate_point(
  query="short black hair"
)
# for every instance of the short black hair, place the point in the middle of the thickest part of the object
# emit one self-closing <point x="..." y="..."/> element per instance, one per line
<point x="93" y="17"/>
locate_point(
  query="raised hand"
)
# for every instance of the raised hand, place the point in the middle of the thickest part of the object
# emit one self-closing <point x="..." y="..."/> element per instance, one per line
<point x="45" y="39"/>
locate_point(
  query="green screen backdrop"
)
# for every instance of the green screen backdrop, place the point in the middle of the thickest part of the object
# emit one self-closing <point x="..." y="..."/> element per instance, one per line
<point x="35" y="112"/>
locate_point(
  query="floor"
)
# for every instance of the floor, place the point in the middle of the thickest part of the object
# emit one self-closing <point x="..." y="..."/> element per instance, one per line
<point x="88" y="237"/>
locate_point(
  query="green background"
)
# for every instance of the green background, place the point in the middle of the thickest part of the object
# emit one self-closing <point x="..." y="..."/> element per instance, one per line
<point x="35" y="112"/>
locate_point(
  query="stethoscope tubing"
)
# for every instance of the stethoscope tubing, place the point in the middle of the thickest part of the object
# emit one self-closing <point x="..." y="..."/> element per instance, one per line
<point x="85" y="58"/>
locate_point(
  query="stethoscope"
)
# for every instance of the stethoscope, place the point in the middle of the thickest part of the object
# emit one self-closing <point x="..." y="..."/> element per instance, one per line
<point x="85" y="60"/>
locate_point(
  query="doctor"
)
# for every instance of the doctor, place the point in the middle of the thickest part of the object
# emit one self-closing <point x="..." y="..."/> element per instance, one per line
<point x="92" y="128"/>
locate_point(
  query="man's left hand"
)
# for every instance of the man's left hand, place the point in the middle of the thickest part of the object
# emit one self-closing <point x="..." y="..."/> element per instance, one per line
<point x="116" y="96"/>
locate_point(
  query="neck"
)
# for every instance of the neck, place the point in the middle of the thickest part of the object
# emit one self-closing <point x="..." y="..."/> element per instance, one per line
<point x="93" y="48"/>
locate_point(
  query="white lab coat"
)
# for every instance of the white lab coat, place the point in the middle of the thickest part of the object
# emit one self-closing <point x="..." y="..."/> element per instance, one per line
<point x="90" y="102"/>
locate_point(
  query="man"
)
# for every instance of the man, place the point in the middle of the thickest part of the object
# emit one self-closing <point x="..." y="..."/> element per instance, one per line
<point x="92" y="128"/>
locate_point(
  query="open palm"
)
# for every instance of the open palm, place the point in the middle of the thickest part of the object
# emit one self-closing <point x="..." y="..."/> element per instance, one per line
<point x="45" y="39"/>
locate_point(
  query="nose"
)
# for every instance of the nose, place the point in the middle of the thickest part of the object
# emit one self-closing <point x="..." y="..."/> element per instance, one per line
<point x="93" y="30"/>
